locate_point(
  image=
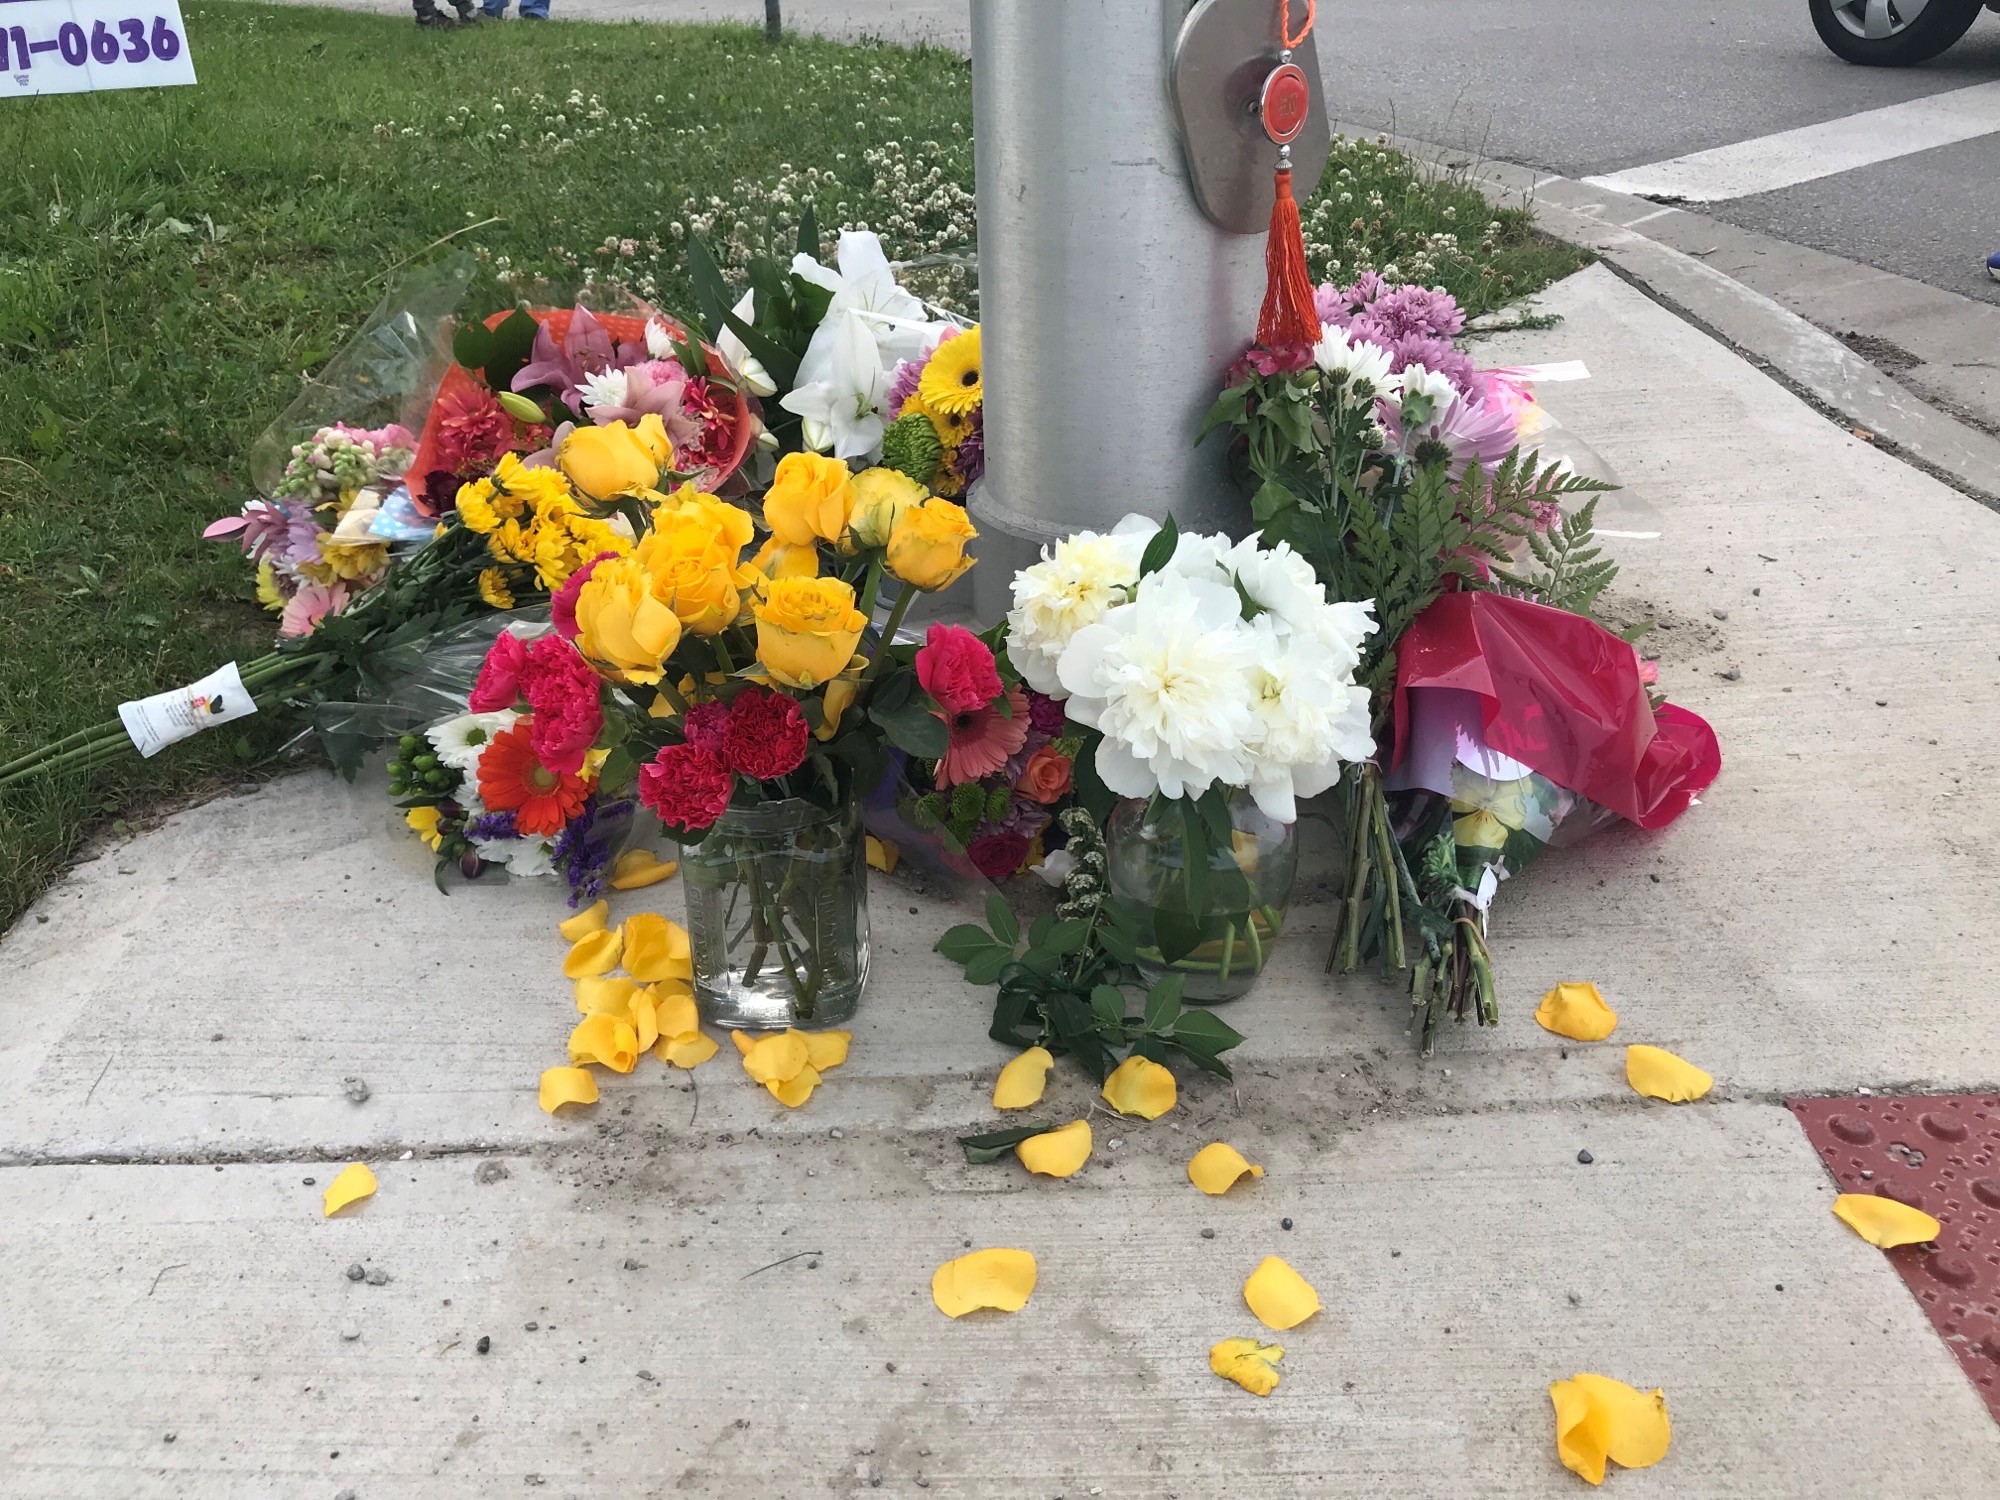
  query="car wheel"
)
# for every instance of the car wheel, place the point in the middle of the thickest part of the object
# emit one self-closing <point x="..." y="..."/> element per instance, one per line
<point x="1891" y="33"/>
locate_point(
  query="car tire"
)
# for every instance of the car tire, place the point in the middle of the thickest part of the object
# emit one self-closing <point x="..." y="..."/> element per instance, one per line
<point x="1935" y="27"/>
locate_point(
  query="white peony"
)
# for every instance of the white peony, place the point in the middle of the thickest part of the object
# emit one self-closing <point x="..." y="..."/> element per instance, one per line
<point x="1078" y="580"/>
<point x="1314" y="719"/>
<point x="1166" y="678"/>
<point x="460" y="742"/>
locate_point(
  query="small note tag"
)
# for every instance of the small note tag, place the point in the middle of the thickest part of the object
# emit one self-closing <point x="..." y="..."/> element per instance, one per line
<point x="165" y="718"/>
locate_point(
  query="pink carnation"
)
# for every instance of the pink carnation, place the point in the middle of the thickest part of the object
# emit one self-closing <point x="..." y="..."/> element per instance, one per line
<point x="499" y="684"/>
<point x="688" y="788"/>
<point x="562" y="693"/>
<point x="956" y="667"/>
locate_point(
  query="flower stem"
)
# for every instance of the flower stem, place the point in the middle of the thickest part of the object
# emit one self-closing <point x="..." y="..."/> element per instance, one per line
<point x="901" y="607"/>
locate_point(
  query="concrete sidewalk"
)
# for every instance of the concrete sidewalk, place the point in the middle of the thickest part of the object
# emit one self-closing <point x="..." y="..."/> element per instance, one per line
<point x="175" y="1319"/>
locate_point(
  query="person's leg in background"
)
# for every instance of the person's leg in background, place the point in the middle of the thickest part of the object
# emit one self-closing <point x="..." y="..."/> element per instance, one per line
<point x="534" y="10"/>
<point x="495" y="9"/>
<point x="429" y="15"/>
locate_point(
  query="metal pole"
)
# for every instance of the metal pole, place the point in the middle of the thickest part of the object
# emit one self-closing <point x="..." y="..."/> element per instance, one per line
<point x="774" y="24"/>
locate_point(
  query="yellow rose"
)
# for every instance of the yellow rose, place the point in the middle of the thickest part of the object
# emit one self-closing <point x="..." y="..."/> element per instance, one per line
<point x="807" y="629"/>
<point x="927" y="545"/>
<point x="695" y="574"/>
<point x="623" y="624"/>
<point x="731" y="524"/>
<point x="807" y="501"/>
<point x="876" y="502"/>
<point x="777" y="559"/>
<point x="615" y="459"/>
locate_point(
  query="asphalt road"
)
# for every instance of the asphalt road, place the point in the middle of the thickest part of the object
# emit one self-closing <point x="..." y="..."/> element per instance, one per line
<point x="1589" y="87"/>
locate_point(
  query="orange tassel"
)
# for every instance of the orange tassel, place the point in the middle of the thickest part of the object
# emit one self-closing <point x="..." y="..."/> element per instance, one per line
<point x="1290" y="317"/>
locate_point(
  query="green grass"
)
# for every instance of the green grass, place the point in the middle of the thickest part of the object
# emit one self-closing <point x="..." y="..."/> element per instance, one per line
<point x="172" y="261"/>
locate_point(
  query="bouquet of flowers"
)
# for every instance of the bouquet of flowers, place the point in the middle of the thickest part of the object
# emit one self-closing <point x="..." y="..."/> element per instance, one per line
<point x="733" y="679"/>
<point x="1392" y="466"/>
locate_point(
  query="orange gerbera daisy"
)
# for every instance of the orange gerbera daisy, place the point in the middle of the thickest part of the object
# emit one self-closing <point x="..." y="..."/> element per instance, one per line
<point x="513" y="779"/>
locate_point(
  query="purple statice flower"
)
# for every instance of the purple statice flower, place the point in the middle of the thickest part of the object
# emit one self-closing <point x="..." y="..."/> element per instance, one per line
<point x="492" y="827"/>
<point x="970" y="460"/>
<point x="582" y="851"/>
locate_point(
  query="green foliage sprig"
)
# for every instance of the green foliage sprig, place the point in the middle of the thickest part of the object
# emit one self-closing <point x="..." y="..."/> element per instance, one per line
<point x="1062" y="982"/>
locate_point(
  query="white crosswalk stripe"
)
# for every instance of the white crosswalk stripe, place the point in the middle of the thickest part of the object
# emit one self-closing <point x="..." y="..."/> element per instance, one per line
<point x="1777" y="161"/>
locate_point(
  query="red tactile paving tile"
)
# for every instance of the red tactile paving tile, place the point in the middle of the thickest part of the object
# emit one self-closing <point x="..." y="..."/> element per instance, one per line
<point x="1939" y="1153"/>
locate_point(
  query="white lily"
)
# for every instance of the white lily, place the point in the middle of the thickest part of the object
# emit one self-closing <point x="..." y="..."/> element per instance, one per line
<point x="745" y="366"/>
<point x="841" y="390"/>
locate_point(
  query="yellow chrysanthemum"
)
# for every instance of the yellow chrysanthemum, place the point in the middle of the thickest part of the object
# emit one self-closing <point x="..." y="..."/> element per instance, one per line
<point x="493" y="588"/>
<point x="527" y="490"/>
<point x="953" y="382"/>
<point x="476" y="511"/>
<point x="352" y="562"/>
<point x="267" y="588"/>
<point x="509" y="542"/>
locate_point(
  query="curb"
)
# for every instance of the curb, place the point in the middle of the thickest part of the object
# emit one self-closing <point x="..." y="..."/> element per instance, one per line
<point x="1799" y="354"/>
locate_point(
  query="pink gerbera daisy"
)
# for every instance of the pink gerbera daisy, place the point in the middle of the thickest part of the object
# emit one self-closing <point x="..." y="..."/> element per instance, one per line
<point x="983" y="739"/>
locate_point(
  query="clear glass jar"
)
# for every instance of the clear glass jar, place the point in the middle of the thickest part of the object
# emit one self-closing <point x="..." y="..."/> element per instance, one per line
<point x="777" y="905"/>
<point x="1233" y="917"/>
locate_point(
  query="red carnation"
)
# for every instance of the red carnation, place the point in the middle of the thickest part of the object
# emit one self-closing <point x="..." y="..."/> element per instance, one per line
<point x="703" y="724"/>
<point x="688" y="788"/>
<point x="562" y="691"/>
<point x="562" y="604"/>
<point x="499" y="684"/>
<point x="998" y="855"/>
<point x="956" y="668"/>
<point x="765" y="735"/>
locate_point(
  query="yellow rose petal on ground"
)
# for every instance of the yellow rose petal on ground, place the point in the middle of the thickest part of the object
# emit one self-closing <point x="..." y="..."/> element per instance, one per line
<point x="689" y="1050"/>
<point x="794" y="1091"/>
<point x="882" y="855"/>
<point x="1002" y="1279"/>
<point x="1139" y="1086"/>
<point x="776" y="1059"/>
<point x="645" y="1012"/>
<point x="744" y="1042"/>
<point x="1215" y="1168"/>
<point x="562" y="1086"/>
<point x="1252" y="1365"/>
<point x="591" y="919"/>
<point x="1599" y="1418"/>
<point x="675" y="1013"/>
<point x="826" y="1049"/>
<point x="353" y="1183"/>
<point x="1057" y="1153"/>
<point x="605" y="1039"/>
<point x="605" y="995"/>
<point x="1658" y="1074"/>
<point x="1884" y="1222"/>
<point x="656" y="949"/>
<point x="594" y="953"/>
<point x="1577" y="1011"/>
<point x="1022" y="1081"/>
<point x="1279" y="1296"/>
<point x="637" y="868"/>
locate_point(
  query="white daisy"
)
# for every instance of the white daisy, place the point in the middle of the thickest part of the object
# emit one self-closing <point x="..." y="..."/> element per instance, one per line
<point x="461" y="741"/>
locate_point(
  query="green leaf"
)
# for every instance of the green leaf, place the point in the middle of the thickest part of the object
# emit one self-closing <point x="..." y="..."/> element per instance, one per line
<point x="471" y="345"/>
<point x="1163" y="1002"/>
<point x="1075" y="1026"/>
<point x="1107" y="1003"/>
<point x="1039" y="930"/>
<point x="1194" y="854"/>
<point x="1000" y="917"/>
<point x="965" y="942"/>
<point x="513" y="342"/>
<point x="986" y="968"/>
<point x="1092" y="795"/>
<point x="1067" y="937"/>
<point x="981" y="1149"/>
<point x="1228" y="411"/>
<point x="1203" y="1028"/>
<point x="809" y="231"/>
<point x="711" y="292"/>
<point x="1271" y="499"/>
<point x="914" y="730"/>
<point x="1116" y="941"/>
<point x="1178" y="933"/>
<point x="1160" y="550"/>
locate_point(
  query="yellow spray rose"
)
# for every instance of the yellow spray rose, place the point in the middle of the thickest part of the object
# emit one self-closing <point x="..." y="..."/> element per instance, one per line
<point x="927" y="545"/>
<point x="807" y="501"/>
<point x="623" y="624"/>
<point x="837" y="700"/>
<point x="807" y="629"/>
<point x="877" y="500"/>
<point x="615" y="459"/>
<point x="777" y="559"/>
<point x="695" y="573"/>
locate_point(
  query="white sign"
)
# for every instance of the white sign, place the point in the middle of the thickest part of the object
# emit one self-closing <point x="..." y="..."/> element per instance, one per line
<point x="79" y="46"/>
<point x="159" y="721"/>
